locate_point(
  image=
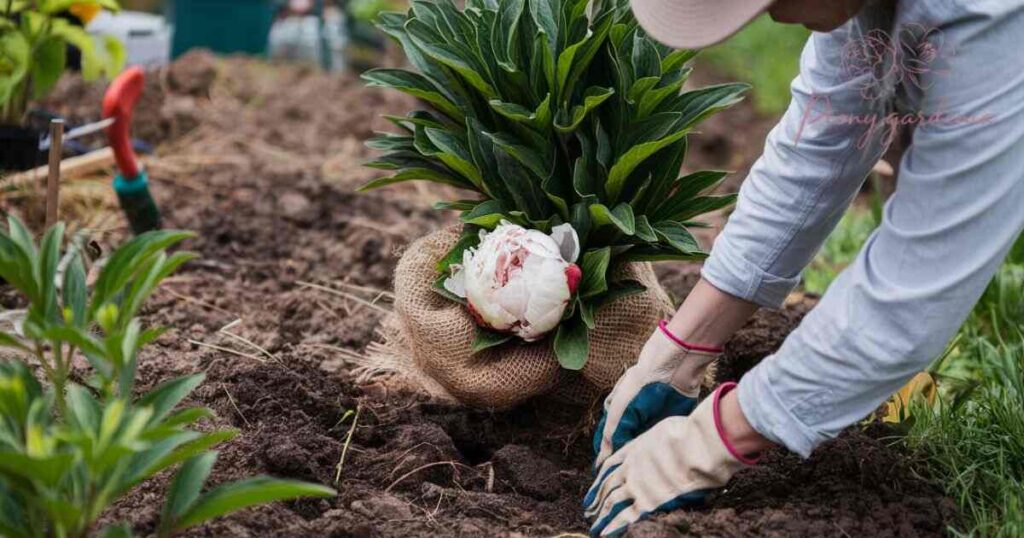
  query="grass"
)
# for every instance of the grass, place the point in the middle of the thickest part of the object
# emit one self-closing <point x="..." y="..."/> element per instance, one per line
<point x="975" y="447"/>
<point x="744" y="57"/>
<point x="973" y="440"/>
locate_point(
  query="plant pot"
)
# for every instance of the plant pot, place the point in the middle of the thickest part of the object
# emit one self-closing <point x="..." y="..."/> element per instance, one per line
<point x="224" y="26"/>
<point x="19" y="148"/>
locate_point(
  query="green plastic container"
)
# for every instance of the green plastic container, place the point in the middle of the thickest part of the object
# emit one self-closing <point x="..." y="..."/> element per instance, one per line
<point x="223" y="26"/>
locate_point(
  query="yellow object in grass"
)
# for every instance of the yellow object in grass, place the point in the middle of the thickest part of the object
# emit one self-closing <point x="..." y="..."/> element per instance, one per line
<point x="897" y="409"/>
<point x="85" y="11"/>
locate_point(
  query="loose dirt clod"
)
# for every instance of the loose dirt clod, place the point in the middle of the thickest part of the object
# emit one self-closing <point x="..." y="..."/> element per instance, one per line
<point x="266" y="179"/>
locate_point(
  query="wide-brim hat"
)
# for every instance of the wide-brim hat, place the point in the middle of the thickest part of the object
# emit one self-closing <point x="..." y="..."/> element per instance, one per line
<point x="692" y="24"/>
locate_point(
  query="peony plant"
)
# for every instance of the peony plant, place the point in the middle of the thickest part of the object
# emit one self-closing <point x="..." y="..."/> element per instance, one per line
<point x="564" y="119"/>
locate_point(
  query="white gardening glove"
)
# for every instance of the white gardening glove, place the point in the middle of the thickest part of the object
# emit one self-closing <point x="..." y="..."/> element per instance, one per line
<point x="664" y="383"/>
<point x="675" y="464"/>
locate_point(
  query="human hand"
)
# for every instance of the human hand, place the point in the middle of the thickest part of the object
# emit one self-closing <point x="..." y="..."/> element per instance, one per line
<point x="664" y="383"/>
<point x="677" y="463"/>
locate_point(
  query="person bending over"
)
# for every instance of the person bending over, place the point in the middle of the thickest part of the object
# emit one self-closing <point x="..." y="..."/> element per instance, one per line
<point x="953" y="71"/>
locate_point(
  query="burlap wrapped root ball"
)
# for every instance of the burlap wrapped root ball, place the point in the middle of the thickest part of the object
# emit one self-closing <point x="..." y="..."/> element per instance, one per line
<point x="437" y="334"/>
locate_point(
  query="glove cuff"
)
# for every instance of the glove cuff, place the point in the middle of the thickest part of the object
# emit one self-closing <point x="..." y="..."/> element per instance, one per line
<point x="711" y="350"/>
<point x="716" y="398"/>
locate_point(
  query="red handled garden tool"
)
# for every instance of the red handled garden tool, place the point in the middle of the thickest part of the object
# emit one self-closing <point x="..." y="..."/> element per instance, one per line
<point x="132" y="183"/>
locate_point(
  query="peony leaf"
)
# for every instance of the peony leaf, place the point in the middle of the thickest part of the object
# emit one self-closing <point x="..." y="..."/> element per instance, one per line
<point x="411" y="174"/>
<point x="572" y="343"/>
<point x="415" y="85"/>
<point x="677" y="236"/>
<point x="594" y="265"/>
<point x="486" y="339"/>
<point x="621" y="217"/>
<point x="687" y="188"/>
<point x="592" y="98"/>
<point x="485" y="215"/>
<point x="631" y="159"/>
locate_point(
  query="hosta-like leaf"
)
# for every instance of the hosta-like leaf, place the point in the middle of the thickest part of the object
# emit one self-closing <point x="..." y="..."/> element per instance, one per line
<point x="485" y="215"/>
<point x="677" y="236"/>
<point x="687" y="187"/>
<point x="415" y="85"/>
<point x="458" y="58"/>
<point x="411" y="174"/>
<point x="699" y="206"/>
<point x="676" y="60"/>
<point x="631" y="159"/>
<point x="699" y="104"/>
<point x="455" y="155"/>
<point x="592" y="98"/>
<point x="505" y="32"/>
<point x="621" y="217"/>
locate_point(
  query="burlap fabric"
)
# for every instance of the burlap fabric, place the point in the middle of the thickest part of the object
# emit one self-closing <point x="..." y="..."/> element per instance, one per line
<point x="434" y="335"/>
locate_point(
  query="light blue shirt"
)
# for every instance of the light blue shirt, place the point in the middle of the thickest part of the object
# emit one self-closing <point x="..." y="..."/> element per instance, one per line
<point x="955" y="70"/>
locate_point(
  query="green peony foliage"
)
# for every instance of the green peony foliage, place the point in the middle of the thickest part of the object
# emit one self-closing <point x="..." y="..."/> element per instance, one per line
<point x="553" y="111"/>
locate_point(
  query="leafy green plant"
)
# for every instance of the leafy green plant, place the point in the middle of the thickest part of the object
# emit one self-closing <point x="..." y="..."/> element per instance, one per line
<point x="33" y="42"/>
<point x="553" y="111"/>
<point x="70" y="448"/>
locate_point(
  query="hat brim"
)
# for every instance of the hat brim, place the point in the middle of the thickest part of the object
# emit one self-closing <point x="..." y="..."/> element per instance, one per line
<point x="693" y="24"/>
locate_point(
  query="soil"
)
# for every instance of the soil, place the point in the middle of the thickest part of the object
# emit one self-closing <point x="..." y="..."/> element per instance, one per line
<point x="293" y="269"/>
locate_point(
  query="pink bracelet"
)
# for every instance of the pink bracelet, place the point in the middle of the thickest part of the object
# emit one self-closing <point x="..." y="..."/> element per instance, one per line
<point x="663" y="325"/>
<point x="715" y="398"/>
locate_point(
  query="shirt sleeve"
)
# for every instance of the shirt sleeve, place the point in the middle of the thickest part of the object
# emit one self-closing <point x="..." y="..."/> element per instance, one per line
<point x="957" y="210"/>
<point x="814" y="162"/>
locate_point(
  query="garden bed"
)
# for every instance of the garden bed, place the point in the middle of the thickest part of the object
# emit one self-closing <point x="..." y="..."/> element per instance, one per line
<point x="284" y="297"/>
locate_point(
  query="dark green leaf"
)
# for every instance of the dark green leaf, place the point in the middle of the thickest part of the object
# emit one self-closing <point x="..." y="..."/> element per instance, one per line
<point x="486" y="339"/>
<point x="572" y="343"/>
<point x="415" y="85"/>
<point x="677" y="236"/>
<point x="594" y="266"/>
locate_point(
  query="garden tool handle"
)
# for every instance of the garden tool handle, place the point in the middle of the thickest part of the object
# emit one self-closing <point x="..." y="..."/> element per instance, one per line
<point x="119" y="103"/>
<point x="132" y="184"/>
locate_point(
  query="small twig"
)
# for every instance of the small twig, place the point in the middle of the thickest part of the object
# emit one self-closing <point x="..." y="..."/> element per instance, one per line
<point x="227" y="350"/>
<point x="490" y="478"/>
<point x="194" y="300"/>
<point x="224" y="330"/>
<point x="348" y="441"/>
<point x="343" y="295"/>
<point x="233" y="404"/>
<point x="454" y="465"/>
<point x="53" y="178"/>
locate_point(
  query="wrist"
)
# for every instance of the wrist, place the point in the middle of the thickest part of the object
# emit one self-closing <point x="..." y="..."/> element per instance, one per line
<point x="736" y="431"/>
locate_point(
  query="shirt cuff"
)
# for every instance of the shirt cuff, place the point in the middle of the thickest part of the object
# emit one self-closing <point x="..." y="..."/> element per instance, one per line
<point x="739" y="277"/>
<point x="770" y="416"/>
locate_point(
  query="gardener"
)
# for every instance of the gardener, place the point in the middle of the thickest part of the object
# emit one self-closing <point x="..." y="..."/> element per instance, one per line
<point x="953" y="70"/>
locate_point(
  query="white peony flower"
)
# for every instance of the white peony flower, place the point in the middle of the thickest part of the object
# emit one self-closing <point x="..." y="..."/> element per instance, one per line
<point x="519" y="281"/>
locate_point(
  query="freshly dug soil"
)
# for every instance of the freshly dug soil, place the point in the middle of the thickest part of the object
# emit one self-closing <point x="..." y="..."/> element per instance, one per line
<point x="293" y="280"/>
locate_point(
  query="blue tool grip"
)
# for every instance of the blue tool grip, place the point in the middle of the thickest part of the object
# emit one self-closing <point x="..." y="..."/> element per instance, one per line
<point x="137" y="202"/>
